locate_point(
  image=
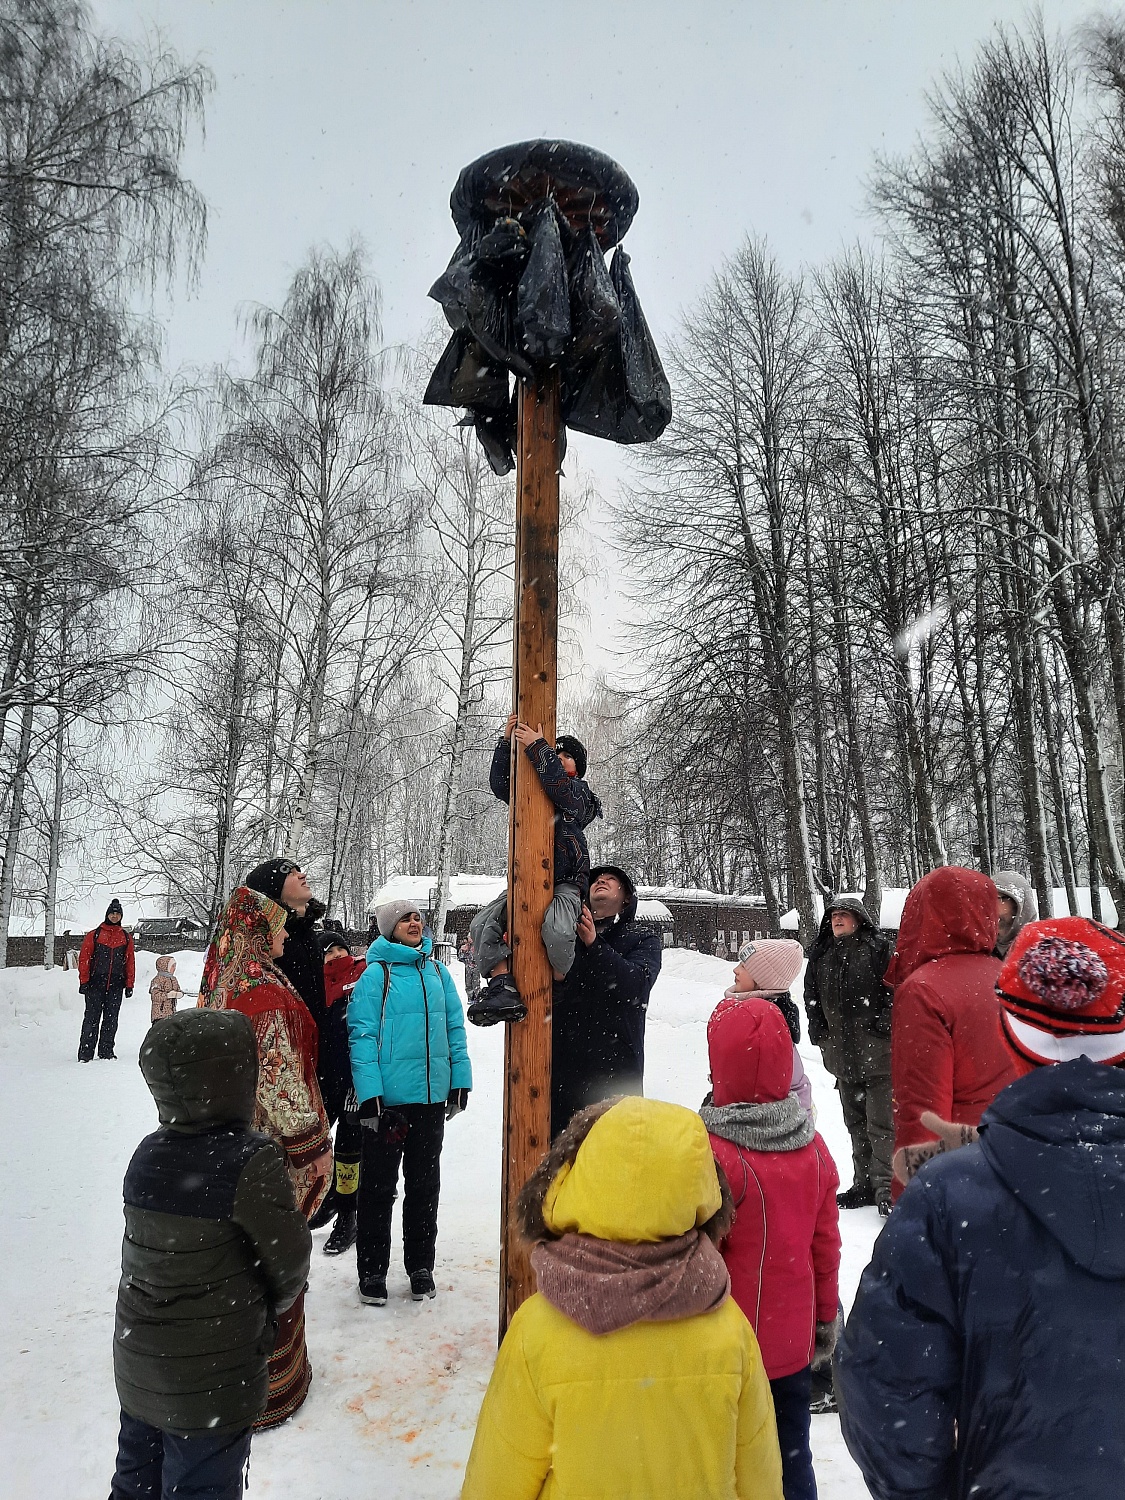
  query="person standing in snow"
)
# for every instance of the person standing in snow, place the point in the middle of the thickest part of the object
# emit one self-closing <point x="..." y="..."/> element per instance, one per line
<point x="947" y="1052"/>
<point x="302" y="962"/>
<point x="107" y="969"/>
<point x="1017" y="906"/>
<point x="631" y="1370"/>
<point x="783" y="1251"/>
<point x="164" y="988"/>
<point x="765" y="971"/>
<point x="984" y="1353"/>
<point x="561" y="773"/>
<point x="598" y="1011"/>
<point x="412" y="1073"/>
<point x="215" y="1251"/>
<point x="289" y="1108"/>
<point x="341" y="974"/>
<point x="849" y="1015"/>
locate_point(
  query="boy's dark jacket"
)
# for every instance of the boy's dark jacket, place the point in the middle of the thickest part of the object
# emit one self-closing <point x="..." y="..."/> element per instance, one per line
<point x="214" y="1245"/>
<point x="576" y="807"/>
<point x="984" y="1355"/>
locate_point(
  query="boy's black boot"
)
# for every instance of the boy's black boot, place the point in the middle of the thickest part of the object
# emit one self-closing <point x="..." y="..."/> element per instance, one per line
<point x="422" y="1285"/>
<point x="344" y="1230"/>
<point x="498" y="1001"/>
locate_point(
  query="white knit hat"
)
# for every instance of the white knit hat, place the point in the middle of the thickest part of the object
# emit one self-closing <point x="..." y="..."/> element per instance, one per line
<point x="389" y="915"/>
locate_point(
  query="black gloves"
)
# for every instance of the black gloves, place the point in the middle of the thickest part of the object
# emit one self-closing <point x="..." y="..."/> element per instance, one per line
<point x="458" y="1100"/>
<point x="818" y="1026"/>
<point x="128" y="994"/>
<point x="369" y="1112"/>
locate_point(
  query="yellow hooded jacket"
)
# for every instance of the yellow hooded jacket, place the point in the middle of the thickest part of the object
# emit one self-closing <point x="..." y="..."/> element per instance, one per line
<point x="656" y="1411"/>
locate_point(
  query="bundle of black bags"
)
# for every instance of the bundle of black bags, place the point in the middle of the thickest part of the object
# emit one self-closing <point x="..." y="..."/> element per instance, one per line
<point x="528" y="289"/>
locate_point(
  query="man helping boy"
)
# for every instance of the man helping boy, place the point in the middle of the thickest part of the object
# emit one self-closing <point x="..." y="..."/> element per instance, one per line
<point x="561" y="771"/>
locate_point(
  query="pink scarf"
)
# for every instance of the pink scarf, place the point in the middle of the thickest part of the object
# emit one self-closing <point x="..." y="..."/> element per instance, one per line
<point x="604" y="1285"/>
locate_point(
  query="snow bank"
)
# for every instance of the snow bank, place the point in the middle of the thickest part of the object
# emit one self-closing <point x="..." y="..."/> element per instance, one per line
<point x="396" y="1390"/>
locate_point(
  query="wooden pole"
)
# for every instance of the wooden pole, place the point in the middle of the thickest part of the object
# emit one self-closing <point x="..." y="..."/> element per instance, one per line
<point x="527" y="1055"/>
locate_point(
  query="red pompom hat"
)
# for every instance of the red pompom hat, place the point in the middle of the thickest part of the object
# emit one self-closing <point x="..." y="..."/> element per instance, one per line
<point x="1062" y="992"/>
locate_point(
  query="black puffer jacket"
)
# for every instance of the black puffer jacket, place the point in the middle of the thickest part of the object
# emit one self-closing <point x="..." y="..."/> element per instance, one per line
<point x="576" y="807"/>
<point x="598" y="1012"/>
<point x="302" y="962"/>
<point x="214" y="1245"/>
<point x="847" y="1004"/>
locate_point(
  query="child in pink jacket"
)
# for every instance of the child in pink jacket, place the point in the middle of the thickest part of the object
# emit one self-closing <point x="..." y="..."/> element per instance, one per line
<point x="783" y="1253"/>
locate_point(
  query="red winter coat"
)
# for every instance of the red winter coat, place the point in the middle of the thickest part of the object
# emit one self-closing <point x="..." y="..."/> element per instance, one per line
<point x="947" y="1048"/>
<point x="119" y="969"/>
<point x="340" y="975"/>
<point x="783" y="1253"/>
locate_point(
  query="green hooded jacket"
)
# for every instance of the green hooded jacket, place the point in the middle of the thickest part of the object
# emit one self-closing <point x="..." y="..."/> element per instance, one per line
<point x="214" y="1244"/>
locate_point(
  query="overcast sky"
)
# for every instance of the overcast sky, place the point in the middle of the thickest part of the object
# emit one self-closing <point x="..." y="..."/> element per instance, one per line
<point x="336" y="118"/>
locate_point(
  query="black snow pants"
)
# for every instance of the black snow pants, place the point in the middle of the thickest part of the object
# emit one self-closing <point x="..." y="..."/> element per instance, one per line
<point x="103" y="1007"/>
<point x="420" y="1158"/>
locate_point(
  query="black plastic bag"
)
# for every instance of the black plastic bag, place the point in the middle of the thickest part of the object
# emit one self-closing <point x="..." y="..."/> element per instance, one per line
<point x="648" y="396"/>
<point x="543" y="297"/>
<point x="595" y="315"/>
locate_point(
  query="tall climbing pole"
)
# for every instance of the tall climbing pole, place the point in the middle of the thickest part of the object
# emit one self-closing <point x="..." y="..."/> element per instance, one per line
<point x="528" y="294"/>
<point x="527" y="1050"/>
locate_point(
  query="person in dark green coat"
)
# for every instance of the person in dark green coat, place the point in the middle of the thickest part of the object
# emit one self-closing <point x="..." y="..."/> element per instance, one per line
<point x="214" y="1249"/>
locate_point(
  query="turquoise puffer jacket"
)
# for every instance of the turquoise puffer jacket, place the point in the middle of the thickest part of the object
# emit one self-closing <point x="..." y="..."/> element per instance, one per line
<point x="410" y="1050"/>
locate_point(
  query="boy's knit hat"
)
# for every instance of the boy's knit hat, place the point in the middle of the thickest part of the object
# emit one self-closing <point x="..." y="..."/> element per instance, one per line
<point x="114" y="909"/>
<point x="391" y="913"/>
<point x="1062" y="992"/>
<point x="773" y="963"/>
<point x="269" y="877"/>
<point x="566" y="744"/>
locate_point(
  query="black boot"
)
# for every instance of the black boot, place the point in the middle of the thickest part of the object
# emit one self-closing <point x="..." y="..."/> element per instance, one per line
<point x="498" y="1001"/>
<point x="326" y="1212"/>
<point x="344" y="1230"/>
<point x="862" y="1195"/>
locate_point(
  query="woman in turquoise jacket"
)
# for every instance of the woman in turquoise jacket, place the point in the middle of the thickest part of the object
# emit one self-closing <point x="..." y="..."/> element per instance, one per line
<point x="411" y="1070"/>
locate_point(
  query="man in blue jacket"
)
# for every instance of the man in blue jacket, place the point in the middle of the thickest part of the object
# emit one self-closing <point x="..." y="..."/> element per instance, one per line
<point x="984" y="1358"/>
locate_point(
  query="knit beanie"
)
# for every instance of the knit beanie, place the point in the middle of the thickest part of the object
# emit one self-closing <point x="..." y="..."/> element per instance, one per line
<point x="773" y="963"/>
<point x="269" y="877"/>
<point x="1062" y="992"/>
<point x="114" y="909"/>
<point x="389" y="915"/>
<point x="566" y="744"/>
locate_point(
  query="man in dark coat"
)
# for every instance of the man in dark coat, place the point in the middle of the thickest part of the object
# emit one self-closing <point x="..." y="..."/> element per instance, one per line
<point x="984" y="1354"/>
<point x="106" y="972"/>
<point x="302" y="961"/>
<point x="598" y="1013"/>
<point x="849" y="1014"/>
<point x="215" y="1248"/>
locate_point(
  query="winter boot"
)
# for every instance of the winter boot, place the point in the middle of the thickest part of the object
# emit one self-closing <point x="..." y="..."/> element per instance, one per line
<point x="373" y="1290"/>
<point x="422" y="1285"/>
<point x="498" y="1001"/>
<point x="883" y="1204"/>
<point x="861" y="1195"/>
<point x="326" y="1212"/>
<point x="344" y="1230"/>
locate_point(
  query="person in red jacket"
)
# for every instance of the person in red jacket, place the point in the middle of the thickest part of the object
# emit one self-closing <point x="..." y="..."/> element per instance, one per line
<point x="106" y="969"/>
<point x="341" y="971"/>
<point x="948" y="1056"/>
<point x="783" y="1253"/>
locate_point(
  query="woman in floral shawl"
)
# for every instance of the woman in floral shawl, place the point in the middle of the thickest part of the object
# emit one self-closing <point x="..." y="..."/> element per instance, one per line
<point x="245" y="977"/>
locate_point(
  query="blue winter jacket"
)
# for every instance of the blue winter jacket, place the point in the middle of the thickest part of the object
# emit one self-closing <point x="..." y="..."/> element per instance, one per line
<point x="410" y="1049"/>
<point x="985" y="1353"/>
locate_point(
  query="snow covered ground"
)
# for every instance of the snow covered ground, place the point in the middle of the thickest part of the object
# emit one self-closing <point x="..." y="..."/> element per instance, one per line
<point x="396" y="1389"/>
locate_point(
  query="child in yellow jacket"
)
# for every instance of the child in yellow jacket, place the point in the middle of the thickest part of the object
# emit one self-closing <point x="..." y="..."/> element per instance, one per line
<point x="631" y="1370"/>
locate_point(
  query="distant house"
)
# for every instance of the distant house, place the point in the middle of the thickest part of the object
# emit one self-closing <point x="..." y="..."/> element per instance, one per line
<point x="702" y="917"/>
<point x="161" y="929"/>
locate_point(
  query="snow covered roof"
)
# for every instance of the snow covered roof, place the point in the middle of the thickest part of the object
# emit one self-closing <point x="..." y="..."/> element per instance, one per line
<point x="696" y="897"/>
<point x="1060" y="908"/>
<point x="652" y="911"/>
<point x="464" y="890"/>
<point x="890" y="915"/>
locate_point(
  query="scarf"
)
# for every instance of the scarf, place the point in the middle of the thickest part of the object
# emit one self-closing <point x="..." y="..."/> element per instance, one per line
<point x="604" y="1285"/>
<point x="780" y="1125"/>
